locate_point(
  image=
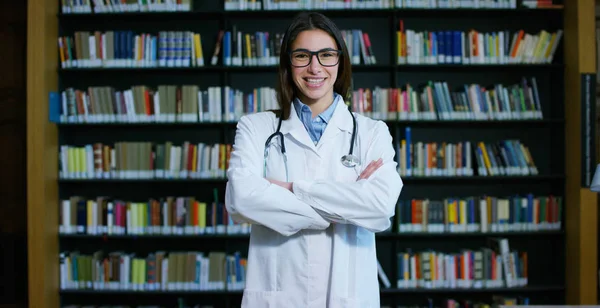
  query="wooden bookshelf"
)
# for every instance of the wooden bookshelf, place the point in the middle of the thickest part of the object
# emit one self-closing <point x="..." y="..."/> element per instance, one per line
<point x="42" y="155"/>
<point x="43" y="71"/>
<point x="581" y="212"/>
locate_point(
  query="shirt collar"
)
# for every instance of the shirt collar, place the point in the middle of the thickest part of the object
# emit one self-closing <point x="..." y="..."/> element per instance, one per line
<point x="325" y="115"/>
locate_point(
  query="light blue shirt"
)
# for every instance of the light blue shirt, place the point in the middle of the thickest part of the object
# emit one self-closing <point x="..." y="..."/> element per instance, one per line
<point x="316" y="126"/>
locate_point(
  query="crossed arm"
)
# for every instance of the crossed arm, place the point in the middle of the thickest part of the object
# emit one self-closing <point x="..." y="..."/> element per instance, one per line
<point x="290" y="207"/>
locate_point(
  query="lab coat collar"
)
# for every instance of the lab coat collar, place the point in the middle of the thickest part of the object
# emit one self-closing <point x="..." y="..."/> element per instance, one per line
<point x="341" y="121"/>
<point x="341" y="117"/>
<point x="294" y="127"/>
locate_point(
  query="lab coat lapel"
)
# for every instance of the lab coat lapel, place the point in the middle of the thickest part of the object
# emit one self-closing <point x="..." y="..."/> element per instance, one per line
<point x="294" y="128"/>
<point x="341" y="121"/>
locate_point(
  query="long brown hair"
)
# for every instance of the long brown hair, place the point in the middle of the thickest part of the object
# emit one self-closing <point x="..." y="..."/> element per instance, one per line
<point x="286" y="88"/>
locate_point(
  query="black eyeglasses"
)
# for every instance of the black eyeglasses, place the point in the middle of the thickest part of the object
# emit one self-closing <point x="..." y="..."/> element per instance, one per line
<point x="326" y="57"/>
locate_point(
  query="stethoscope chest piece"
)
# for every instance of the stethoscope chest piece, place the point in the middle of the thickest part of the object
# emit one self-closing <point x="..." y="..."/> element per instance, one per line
<point x="350" y="160"/>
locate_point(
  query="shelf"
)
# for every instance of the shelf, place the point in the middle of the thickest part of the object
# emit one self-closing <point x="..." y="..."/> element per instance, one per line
<point x="406" y="180"/>
<point x="334" y="13"/>
<point x="207" y="68"/>
<point x="473" y="290"/>
<point x="483" y="179"/>
<point x="424" y="123"/>
<point x="154" y="236"/>
<point x="550" y="288"/>
<point x="160" y="181"/>
<point x="382" y="235"/>
<point x="460" y="67"/>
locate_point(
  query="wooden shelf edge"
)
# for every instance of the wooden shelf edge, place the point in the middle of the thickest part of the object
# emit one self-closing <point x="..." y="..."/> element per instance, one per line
<point x="433" y="123"/>
<point x="42" y="140"/>
<point x="581" y="223"/>
<point x="527" y="289"/>
<point x="219" y="14"/>
<point x="381" y="235"/>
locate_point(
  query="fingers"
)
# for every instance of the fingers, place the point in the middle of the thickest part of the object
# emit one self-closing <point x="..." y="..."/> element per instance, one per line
<point x="371" y="168"/>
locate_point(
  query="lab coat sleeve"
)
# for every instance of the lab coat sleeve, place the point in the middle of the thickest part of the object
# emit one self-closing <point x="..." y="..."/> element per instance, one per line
<point x="251" y="198"/>
<point x="368" y="203"/>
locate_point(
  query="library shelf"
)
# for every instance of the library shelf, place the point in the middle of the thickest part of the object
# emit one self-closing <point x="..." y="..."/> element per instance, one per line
<point x="206" y="19"/>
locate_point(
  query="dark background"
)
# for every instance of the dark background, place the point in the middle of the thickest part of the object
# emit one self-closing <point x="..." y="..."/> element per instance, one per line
<point x="13" y="205"/>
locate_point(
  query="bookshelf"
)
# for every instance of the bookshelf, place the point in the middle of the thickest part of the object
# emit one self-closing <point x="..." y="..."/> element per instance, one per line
<point x="559" y="260"/>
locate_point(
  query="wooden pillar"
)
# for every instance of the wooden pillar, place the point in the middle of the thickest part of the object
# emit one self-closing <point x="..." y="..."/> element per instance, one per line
<point x="42" y="155"/>
<point x="580" y="204"/>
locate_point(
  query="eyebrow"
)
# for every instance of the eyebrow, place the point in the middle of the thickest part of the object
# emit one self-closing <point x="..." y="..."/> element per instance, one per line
<point x="323" y="49"/>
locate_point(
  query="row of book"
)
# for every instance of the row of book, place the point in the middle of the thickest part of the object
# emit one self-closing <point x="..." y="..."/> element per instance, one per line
<point x="126" y="48"/>
<point x="480" y="214"/>
<point x="252" y="5"/>
<point x="127" y="6"/>
<point x="475" y="47"/>
<point x="158" y="271"/>
<point x="489" y="267"/>
<point x="99" y="7"/>
<point x="144" y="160"/>
<point x="435" y="100"/>
<point x="191" y="104"/>
<point x="190" y="216"/>
<point x="129" y="49"/>
<point x="162" y="104"/>
<point x="189" y="160"/>
<point x="424" y="159"/>
<point x="496" y="266"/>
<point x="247" y="49"/>
<point x="157" y="216"/>
<point x="237" y="48"/>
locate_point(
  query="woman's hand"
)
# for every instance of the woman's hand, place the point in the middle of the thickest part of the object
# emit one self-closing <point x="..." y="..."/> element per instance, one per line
<point x="286" y="185"/>
<point x="372" y="167"/>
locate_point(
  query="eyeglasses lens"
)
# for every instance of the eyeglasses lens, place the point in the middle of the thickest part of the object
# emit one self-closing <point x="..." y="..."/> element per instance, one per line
<point x="326" y="58"/>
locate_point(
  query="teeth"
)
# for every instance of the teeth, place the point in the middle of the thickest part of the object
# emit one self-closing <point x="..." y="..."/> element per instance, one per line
<point x="312" y="80"/>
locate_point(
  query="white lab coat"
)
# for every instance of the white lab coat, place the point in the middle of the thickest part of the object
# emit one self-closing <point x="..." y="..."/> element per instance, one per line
<point x="314" y="247"/>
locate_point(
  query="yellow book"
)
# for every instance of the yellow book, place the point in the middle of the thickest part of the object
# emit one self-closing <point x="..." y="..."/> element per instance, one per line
<point x="202" y="214"/>
<point x="486" y="159"/>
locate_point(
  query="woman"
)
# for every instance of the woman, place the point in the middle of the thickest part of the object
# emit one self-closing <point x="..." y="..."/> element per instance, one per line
<point x="313" y="218"/>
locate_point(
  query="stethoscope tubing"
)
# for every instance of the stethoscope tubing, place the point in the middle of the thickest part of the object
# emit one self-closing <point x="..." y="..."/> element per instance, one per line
<point x="348" y="160"/>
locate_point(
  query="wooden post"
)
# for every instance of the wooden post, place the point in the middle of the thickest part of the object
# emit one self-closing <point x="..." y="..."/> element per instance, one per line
<point x="580" y="204"/>
<point x="42" y="155"/>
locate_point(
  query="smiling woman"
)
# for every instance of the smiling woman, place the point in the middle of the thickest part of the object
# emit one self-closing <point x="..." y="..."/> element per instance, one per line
<point x="315" y="79"/>
<point x="312" y="242"/>
<point x="310" y="36"/>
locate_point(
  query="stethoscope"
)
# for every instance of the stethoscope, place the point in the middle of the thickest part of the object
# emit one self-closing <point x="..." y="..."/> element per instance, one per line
<point x="348" y="160"/>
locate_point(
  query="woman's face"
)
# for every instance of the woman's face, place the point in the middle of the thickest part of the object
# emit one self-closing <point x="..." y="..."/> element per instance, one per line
<point x="314" y="81"/>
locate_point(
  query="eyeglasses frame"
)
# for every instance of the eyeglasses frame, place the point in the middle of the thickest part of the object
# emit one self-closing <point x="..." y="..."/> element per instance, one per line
<point x="314" y="53"/>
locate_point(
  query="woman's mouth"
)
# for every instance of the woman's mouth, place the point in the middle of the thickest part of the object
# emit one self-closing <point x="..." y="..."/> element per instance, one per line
<point x="314" y="82"/>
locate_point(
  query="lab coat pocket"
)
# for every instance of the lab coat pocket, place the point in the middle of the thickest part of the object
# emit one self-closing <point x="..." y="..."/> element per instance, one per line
<point x="260" y="298"/>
